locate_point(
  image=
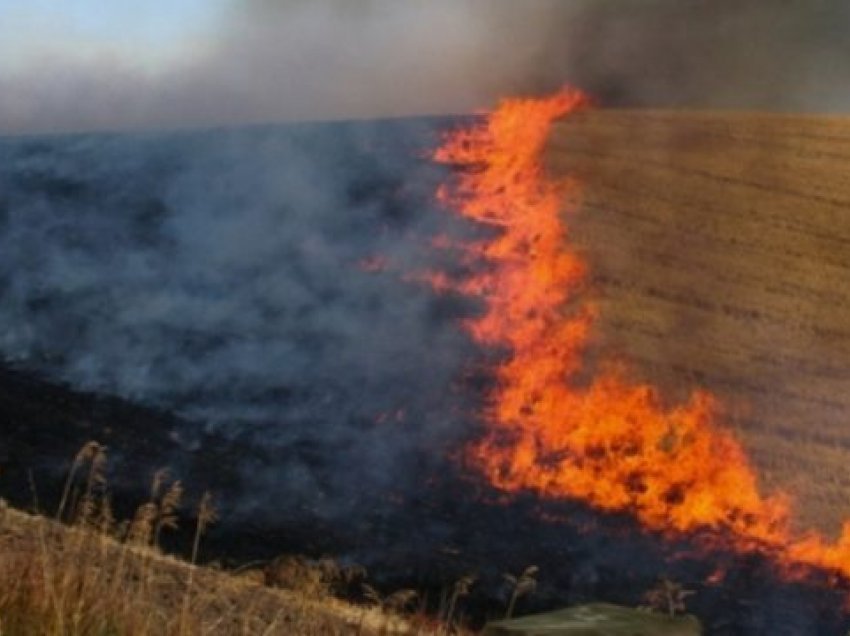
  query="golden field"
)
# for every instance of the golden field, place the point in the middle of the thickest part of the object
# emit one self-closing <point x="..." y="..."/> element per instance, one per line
<point x="719" y="254"/>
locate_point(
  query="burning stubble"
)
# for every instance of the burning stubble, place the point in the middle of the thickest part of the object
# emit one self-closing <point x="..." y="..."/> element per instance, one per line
<point x="603" y="439"/>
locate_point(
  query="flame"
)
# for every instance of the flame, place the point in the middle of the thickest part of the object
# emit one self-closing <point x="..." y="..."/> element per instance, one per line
<point x="559" y="426"/>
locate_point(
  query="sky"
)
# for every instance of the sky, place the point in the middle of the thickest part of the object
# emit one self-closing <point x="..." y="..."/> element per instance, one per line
<point x="150" y="35"/>
<point x="73" y="65"/>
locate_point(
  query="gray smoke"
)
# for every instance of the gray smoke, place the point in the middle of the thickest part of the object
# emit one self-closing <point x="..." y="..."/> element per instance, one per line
<point x="229" y="277"/>
<point x="330" y="59"/>
<point x="789" y="55"/>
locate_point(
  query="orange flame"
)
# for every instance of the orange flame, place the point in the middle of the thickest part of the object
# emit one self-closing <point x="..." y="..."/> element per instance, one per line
<point x="557" y="426"/>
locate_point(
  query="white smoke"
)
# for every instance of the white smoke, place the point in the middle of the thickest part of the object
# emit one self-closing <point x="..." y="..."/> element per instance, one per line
<point x="337" y="59"/>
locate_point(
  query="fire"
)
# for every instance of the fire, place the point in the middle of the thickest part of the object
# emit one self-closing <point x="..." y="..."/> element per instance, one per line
<point x="557" y="425"/>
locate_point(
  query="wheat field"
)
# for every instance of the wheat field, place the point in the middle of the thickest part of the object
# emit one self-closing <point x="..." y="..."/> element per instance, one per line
<point x="719" y="253"/>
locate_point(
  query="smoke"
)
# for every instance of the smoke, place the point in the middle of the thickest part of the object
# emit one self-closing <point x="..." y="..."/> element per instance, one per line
<point x="229" y="277"/>
<point x="751" y="54"/>
<point x="294" y="60"/>
<point x="332" y="59"/>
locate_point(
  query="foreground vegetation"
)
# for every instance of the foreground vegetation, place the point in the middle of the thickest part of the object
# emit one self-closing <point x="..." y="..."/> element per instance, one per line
<point x="84" y="573"/>
<point x="81" y="572"/>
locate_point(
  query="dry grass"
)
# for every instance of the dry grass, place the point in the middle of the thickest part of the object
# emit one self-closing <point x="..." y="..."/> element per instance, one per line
<point x="93" y="576"/>
<point x="719" y="251"/>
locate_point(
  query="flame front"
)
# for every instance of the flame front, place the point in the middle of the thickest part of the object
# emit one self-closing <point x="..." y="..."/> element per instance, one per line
<point x="564" y="428"/>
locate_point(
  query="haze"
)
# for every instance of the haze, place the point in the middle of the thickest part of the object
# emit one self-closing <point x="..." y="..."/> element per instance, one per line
<point x="89" y="64"/>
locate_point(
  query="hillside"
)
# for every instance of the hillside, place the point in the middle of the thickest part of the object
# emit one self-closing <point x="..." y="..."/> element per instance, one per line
<point x="79" y="580"/>
<point x="719" y="252"/>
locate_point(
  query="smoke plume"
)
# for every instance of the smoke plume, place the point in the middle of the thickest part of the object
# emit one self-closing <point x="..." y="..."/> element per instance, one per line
<point x="249" y="280"/>
<point x="334" y="59"/>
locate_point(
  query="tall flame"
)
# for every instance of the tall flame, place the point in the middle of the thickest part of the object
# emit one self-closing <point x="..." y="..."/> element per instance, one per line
<point x="558" y="425"/>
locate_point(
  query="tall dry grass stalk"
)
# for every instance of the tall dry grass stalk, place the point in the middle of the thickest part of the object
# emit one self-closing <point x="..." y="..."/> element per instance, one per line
<point x="95" y="576"/>
<point x="206" y="516"/>
<point x="521" y="585"/>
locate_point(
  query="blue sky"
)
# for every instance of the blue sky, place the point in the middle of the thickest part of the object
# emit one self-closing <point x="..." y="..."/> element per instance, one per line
<point x="146" y="34"/>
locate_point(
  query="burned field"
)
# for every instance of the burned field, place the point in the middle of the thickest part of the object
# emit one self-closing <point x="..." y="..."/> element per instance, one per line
<point x="279" y="317"/>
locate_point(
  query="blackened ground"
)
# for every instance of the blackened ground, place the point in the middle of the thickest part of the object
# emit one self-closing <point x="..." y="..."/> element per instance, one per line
<point x="234" y="305"/>
<point x="254" y="281"/>
<point x="452" y="526"/>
